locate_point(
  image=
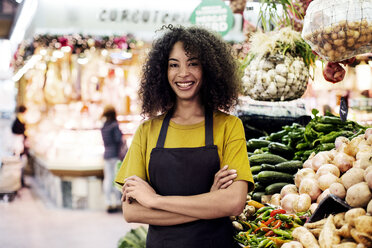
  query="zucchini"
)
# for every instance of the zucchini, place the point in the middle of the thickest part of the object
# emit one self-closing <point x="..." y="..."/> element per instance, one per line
<point x="289" y="166"/>
<point x="274" y="188"/>
<point x="255" y="169"/>
<point x="266" y="158"/>
<point x="280" y="149"/>
<point x="253" y="144"/>
<point x="256" y="196"/>
<point x="267" y="167"/>
<point x="274" y="176"/>
<point x="278" y="135"/>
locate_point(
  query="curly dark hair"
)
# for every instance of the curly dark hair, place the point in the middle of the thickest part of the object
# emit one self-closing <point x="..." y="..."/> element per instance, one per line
<point x="221" y="80"/>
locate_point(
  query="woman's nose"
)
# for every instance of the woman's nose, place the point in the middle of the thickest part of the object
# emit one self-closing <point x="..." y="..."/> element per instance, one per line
<point x="184" y="71"/>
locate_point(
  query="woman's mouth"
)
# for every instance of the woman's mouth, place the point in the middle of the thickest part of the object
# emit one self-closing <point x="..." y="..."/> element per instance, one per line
<point x="185" y="85"/>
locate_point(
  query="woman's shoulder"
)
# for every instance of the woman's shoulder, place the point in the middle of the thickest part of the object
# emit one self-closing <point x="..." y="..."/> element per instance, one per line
<point x="228" y="119"/>
<point x="152" y="122"/>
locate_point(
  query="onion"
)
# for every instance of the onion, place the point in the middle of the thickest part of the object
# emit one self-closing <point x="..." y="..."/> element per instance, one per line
<point x="338" y="190"/>
<point x="301" y="174"/>
<point x="343" y="161"/>
<point x="320" y="159"/>
<point x="322" y="195"/>
<point x="341" y="140"/>
<point x="310" y="186"/>
<point x="287" y="202"/>
<point x="288" y="189"/>
<point x="313" y="207"/>
<point x="302" y="203"/>
<point x="326" y="180"/>
<point x="328" y="168"/>
<point x="368" y="133"/>
<point x="308" y="164"/>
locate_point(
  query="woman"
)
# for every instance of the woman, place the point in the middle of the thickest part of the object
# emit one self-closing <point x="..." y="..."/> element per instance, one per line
<point x="171" y="174"/>
<point x="112" y="141"/>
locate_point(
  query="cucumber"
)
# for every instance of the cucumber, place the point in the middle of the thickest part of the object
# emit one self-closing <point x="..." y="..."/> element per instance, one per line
<point x="278" y="135"/>
<point x="253" y="144"/>
<point x="267" y="167"/>
<point x="256" y="196"/>
<point x="254" y="178"/>
<point x="265" y="158"/>
<point x="289" y="166"/>
<point x="259" y="187"/>
<point x="255" y="169"/>
<point x="280" y="149"/>
<point x="274" y="188"/>
<point x="274" y="176"/>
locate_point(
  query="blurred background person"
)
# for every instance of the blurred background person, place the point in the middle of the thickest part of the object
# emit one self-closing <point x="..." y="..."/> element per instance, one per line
<point x="113" y="143"/>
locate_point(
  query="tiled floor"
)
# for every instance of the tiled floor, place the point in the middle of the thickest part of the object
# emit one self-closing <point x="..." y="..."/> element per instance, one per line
<point x="30" y="221"/>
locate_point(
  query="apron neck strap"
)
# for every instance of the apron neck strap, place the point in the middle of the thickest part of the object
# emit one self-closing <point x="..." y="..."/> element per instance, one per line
<point x="208" y="128"/>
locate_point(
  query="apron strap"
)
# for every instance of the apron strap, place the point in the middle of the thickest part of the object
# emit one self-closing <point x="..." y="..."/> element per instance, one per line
<point x="208" y="128"/>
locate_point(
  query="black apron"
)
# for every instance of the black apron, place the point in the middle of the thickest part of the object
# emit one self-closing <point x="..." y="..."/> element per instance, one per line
<point x="184" y="172"/>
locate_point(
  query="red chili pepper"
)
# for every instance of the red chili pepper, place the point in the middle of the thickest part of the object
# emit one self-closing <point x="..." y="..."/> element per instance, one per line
<point x="269" y="221"/>
<point x="277" y="211"/>
<point x="278" y="224"/>
<point x="269" y="233"/>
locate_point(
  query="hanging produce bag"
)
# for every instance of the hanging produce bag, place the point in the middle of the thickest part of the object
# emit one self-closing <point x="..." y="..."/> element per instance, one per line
<point x="339" y="29"/>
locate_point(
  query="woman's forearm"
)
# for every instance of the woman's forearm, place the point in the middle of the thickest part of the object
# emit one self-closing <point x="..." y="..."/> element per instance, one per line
<point x="211" y="205"/>
<point x="135" y="212"/>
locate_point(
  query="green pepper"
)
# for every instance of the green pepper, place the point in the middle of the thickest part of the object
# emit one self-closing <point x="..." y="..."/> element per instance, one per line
<point x="331" y="120"/>
<point x="325" y="128"/>
<point x="326" y="146"/>
<point x="302" y="146"/>
<point x="285" y="218"/>
<point x="282" y="233"/>
<point x="270" y="243"/>
<point x="263" y="243"/>
<point x="331" y="137"/>
<point x="261" y="210"/>
<point x="361" y="131"/>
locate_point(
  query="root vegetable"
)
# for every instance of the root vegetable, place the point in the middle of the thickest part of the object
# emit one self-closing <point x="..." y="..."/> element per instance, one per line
<point x="287" y="202"/>
<point x="338" y="189"/>
<point x="308" y="163"/>
<point x="361" y="237"/>
<point x="313" y="207"/>
<point x="352" y="177"/>
<point x="303" y="173"/>
<point x="316" y="232"/>
<point x="292" y="244"/>
<point x="317" y="224"/>
<point x="344" y="231"/>
<point x="343" y="161"/>
<point x="322" y="195"/>
<point x="368" y="133"/>
<point x="310" y="186"/>
<point x="352" y="148"/>
<point x="345" y="245"/>
<point x="341" y="140"/>
<point x="339" y="220"/>
<point x="352" y="214"/>
<point x="364" y="224"/>
<point x="306" y="238"/>
<point x="358" y="195"/>
<point x="364" y="158"/>
<point x="328" y="236"/>
<point x="320" y="159"/>
<point x="326" y="180"/>
<point x="368" y="178"/>
<point x="302" y="203"/>
<point x="328" y="168"/>
<point x="369" y="207"/>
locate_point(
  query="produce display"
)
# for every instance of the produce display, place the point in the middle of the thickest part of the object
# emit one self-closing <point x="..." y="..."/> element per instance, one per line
<point x="265" y="226"/>
<point x="276" y="159"/>
<point x="338" y="30"/>
<point x="277" y="66"/>
<point x="135" y="238"/>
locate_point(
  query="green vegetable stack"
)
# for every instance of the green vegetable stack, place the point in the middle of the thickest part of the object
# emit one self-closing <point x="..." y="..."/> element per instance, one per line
<point x="274" y="159"/>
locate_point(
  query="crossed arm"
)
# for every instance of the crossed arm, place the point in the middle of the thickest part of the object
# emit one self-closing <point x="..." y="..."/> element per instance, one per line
<point x="142" y="204"/>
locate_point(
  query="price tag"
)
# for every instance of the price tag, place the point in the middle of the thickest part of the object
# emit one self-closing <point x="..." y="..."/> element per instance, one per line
<point x="343" y="109"/>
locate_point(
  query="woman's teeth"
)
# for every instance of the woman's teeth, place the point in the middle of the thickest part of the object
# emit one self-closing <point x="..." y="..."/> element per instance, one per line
<point x="184" y="85"/>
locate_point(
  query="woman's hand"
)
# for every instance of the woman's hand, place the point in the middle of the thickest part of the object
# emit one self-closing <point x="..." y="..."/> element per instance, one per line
<point x="139" y="190"/>
<point x="223" y="178"/>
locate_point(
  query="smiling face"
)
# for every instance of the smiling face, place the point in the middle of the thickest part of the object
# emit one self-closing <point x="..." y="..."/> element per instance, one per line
<point x="184" y="74"/>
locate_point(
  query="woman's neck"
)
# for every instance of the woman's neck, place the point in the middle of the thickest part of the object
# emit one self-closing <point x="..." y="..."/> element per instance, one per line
<point x="188" y="113"/>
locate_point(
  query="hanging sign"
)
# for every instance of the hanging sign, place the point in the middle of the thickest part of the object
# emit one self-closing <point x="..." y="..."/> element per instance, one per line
<point x="214" y="15"/>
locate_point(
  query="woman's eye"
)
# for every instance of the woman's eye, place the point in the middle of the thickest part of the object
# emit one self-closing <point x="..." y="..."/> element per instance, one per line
<point x="173" y="65"/>
<point x="194" y="64"/>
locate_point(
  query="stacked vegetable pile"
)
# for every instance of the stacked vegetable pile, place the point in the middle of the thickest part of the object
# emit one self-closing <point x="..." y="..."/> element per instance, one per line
<point x="345" y="171"/>
<point x="135" y="238"/>
<point x="276" y="158"/>
<point x="266" y="226"/>
<point x="277" y="68"/>
<point x="343" y="230"/>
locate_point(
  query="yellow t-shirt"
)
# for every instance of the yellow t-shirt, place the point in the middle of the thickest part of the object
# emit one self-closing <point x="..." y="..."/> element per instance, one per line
<point x="228" y="135"/>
